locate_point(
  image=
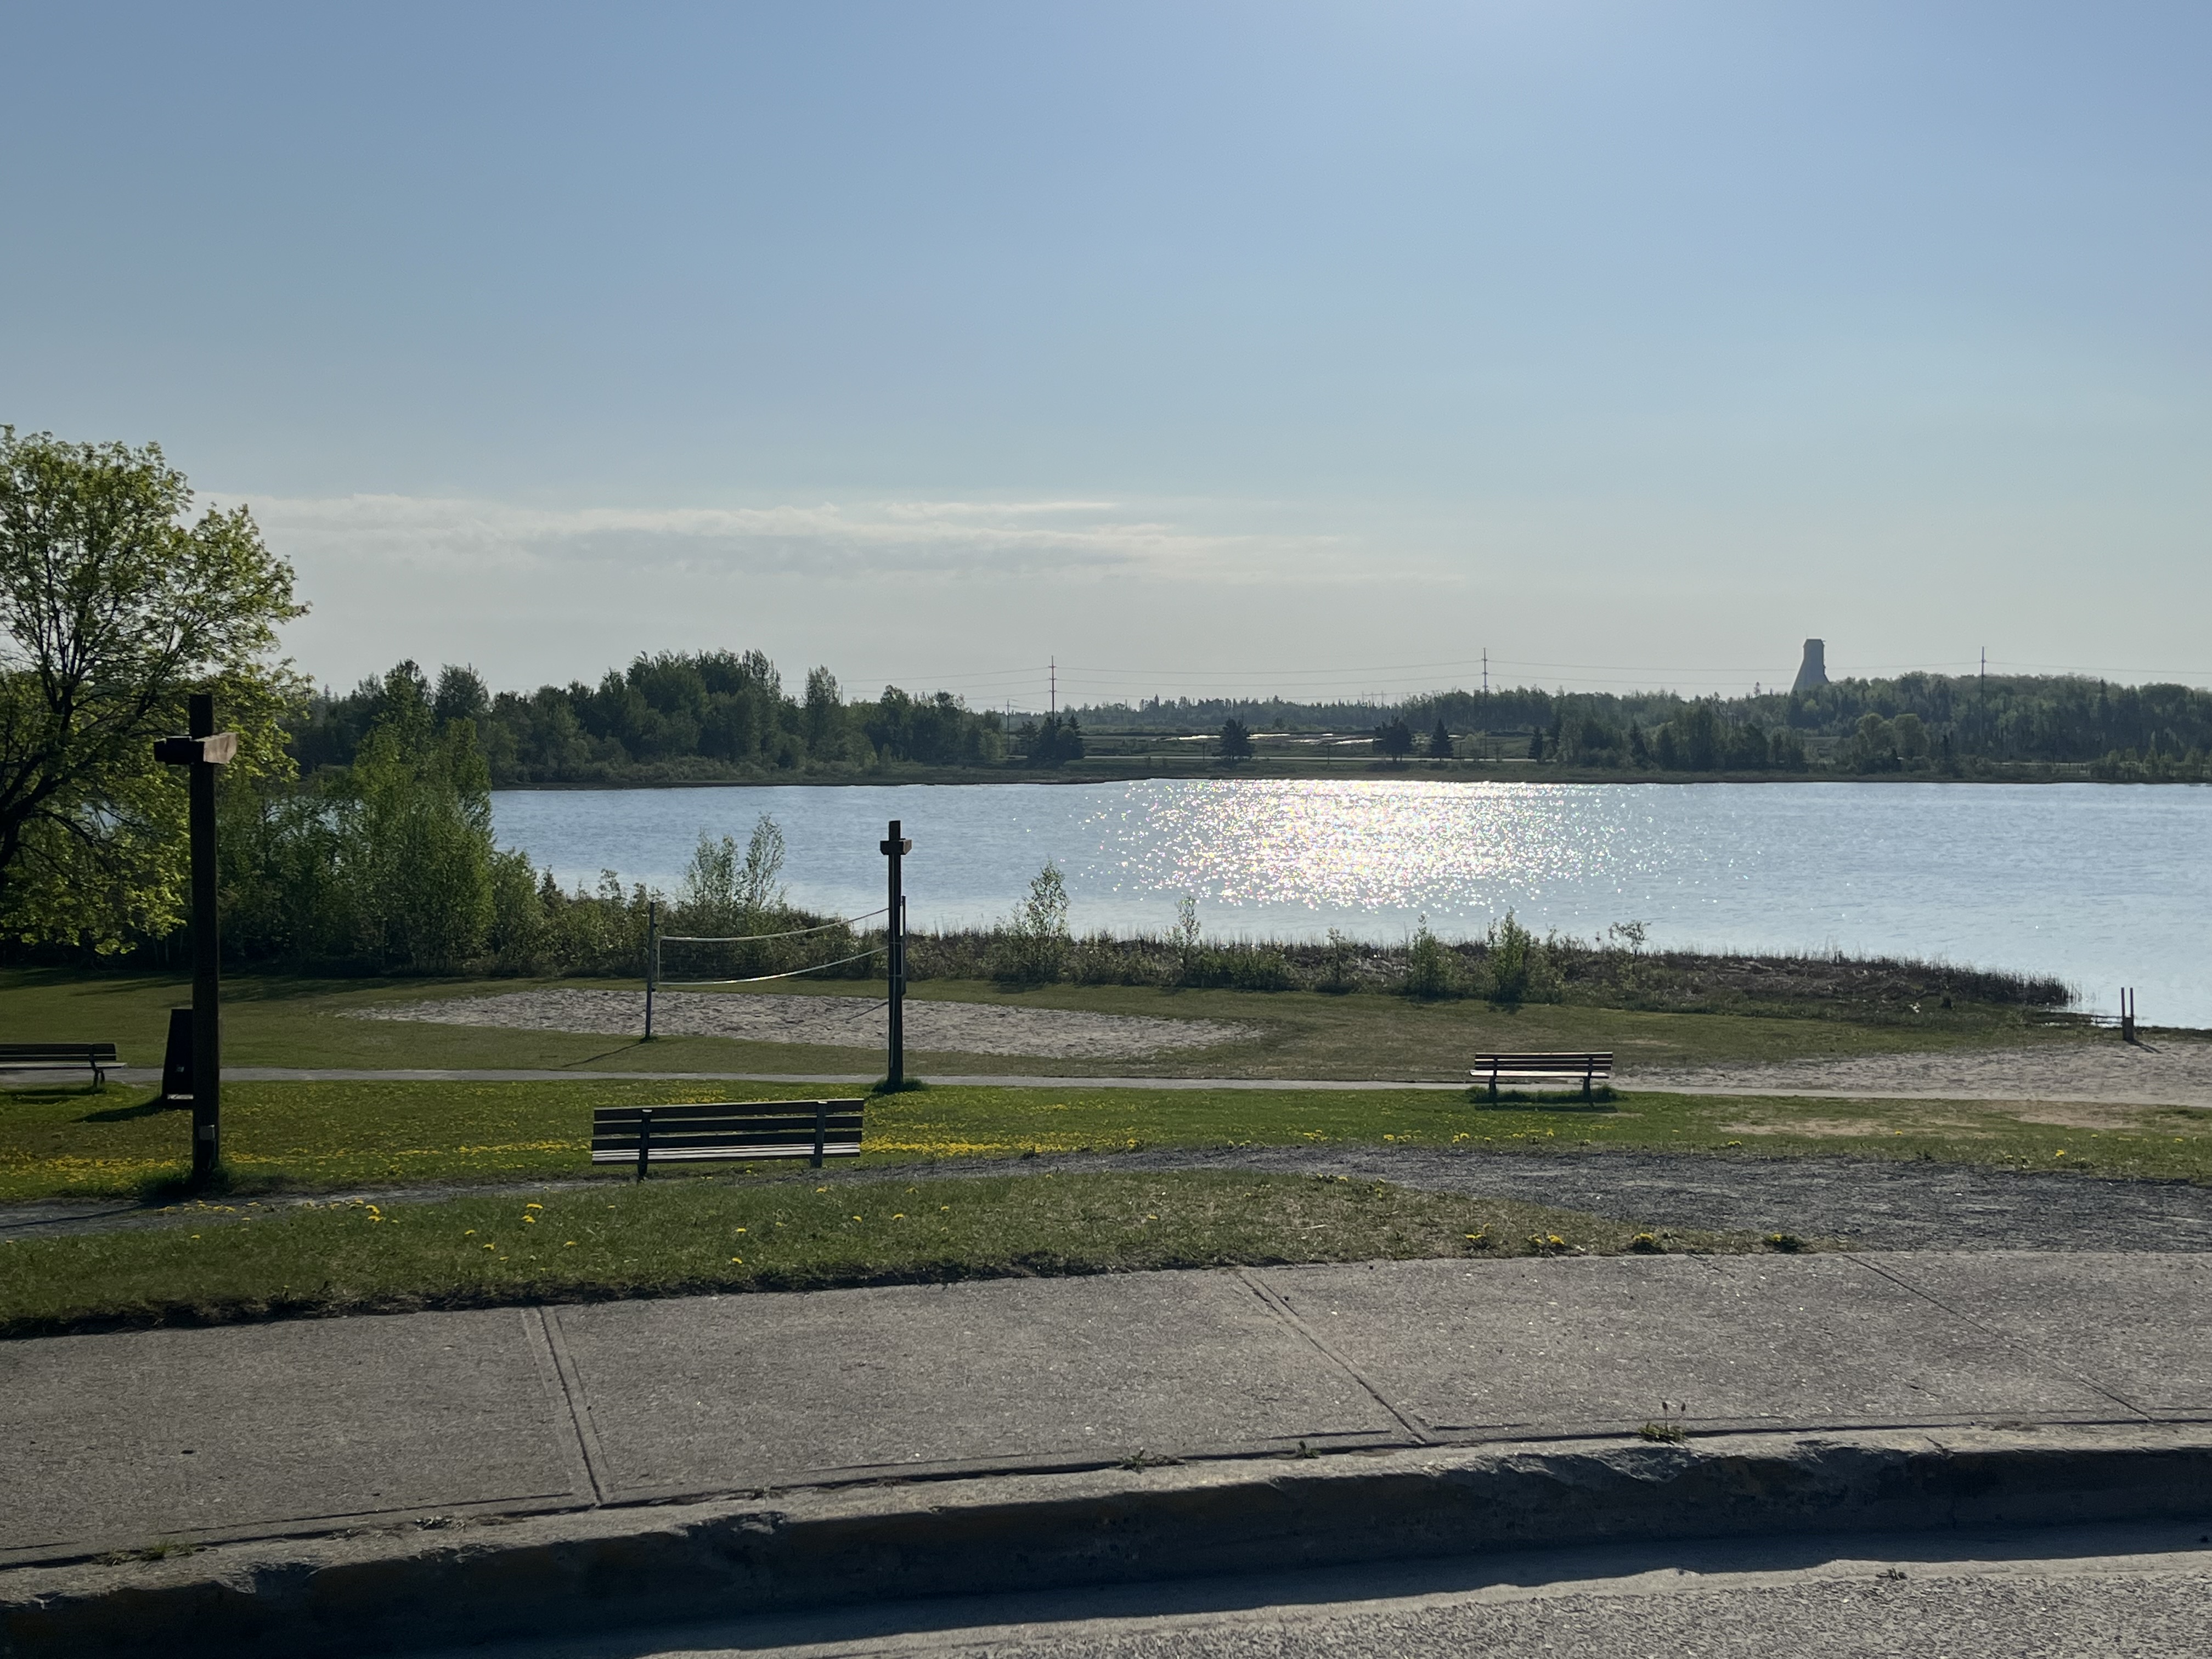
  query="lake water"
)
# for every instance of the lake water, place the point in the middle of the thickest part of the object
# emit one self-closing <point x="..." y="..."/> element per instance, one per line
<point x="2102" y="885"/>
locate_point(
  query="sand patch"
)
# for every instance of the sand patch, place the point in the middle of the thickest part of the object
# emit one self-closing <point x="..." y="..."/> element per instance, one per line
<point x="832" y="1022"/>
<point x="2169" y="1071"/>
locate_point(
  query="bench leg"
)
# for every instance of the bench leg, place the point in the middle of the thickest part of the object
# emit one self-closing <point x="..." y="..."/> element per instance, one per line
<point x="644" y="1138"/>
<point x="1587" y="1095"/>
<point x="821" y="1129"/>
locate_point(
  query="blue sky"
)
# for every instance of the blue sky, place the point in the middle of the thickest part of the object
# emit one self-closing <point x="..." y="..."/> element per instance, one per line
<point x="1271" y="347"/>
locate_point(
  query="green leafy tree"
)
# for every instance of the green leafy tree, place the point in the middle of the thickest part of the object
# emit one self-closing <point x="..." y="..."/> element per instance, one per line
<point x="1235" y="740"/>
<point x="1395" y="739"/>
<point x="1038" y="934"/>
<point x="1440" y="743"/>
<point x="114" y="606"/>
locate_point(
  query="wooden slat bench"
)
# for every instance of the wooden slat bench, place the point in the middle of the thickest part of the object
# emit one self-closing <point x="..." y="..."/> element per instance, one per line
<point x="1538" y="1071"/>
<point x="45" y="1056"/>
<point x="726" y="1129"/>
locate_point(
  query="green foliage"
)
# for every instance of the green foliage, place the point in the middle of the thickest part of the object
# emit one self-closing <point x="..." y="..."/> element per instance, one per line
<point x="1054" y="741"/>
<point x="1395" y="738"/>
<point x="1235" y="740"/>
<point x="2126" y="766"/>
<point x="672" y="716"/>
<point x="1440" y="743"/>
<point x="1037" y="939"/>
<point x="1185" y="937"/>
<point x="113" y="608"/>
<point x="1517" y="967"/>
<point x="723" y="894"/>
<point x="1431" y="970"/>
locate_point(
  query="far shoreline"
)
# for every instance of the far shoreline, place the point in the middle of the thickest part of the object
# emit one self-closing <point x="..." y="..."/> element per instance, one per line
<point x="948" y="777"/>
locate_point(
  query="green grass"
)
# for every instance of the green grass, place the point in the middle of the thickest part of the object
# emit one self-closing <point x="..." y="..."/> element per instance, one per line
<point x="281" y="1022"/>
<point x="704" y="1234"/>
<point x="322" y="1137"/>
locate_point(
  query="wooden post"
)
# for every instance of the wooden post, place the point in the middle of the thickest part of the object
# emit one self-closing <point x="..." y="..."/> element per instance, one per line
<point x="652" y="960"/>
<point x="893" y="847"/>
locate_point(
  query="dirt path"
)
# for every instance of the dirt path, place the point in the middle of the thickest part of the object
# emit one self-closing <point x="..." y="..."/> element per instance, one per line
<point x="835" y="1022"/>
<point x="1868" y="1203"/>
<point x="2170" y="1072"/>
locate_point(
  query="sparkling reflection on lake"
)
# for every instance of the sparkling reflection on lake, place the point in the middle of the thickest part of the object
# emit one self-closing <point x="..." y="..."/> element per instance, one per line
<point x="2105" y="886"/>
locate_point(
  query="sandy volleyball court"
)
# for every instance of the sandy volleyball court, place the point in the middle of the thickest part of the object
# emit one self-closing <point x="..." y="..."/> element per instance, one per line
<point x="2165" y="1072"/>
<point x="835" y="1022"/>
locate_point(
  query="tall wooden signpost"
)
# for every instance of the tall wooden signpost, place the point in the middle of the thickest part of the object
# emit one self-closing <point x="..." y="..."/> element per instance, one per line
<point x="896" y="846"/>
<point x="200" y="753"/>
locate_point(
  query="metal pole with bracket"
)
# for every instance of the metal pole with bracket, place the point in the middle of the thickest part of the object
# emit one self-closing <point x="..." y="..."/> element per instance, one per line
<point x="893" y="847"/>
<point x="200" y="751"/>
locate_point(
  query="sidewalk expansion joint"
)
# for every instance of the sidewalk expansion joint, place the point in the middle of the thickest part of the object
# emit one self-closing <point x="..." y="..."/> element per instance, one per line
<point x="585" y="1443"/>
<point x="1966" y="1317"/>
<point x="1275" y="1304"/>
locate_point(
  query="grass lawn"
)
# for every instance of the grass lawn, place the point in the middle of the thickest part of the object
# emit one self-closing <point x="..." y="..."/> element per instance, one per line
<point x="272" y="1021"/>
<point x="704" y="1234"/>
<point x="322" y="1137"/>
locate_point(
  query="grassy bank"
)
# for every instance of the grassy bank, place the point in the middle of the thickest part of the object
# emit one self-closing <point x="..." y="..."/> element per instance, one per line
<point x="325" y="1137"/>
<point x="701" y="1235"/>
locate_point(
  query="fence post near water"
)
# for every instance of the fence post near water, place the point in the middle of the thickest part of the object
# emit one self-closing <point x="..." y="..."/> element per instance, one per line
<point x="652" y="960"/>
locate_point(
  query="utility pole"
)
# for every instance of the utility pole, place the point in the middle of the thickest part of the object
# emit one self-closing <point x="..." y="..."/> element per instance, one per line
<point x="1984" y="700"/>
<point x="893" y="847"/>
<point x="1486" y="671"/>
<point x="200" y="751"/>
<point x="1052" y="669"/>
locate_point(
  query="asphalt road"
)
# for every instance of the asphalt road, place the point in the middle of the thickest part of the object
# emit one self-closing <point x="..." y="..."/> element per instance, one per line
<point x="2131" y="1592"/>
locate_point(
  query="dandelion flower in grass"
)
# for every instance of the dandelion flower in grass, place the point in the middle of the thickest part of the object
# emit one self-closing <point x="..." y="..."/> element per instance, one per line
<point x="739" y="1260"/>
<point x="571" y="1241"/>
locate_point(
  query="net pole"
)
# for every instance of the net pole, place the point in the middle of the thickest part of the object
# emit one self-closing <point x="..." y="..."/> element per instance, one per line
<point x="895" y="847"/>
<point x="652" y="961"/>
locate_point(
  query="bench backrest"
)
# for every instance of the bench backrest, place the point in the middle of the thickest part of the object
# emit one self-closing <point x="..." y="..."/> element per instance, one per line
<point x="726" y="1129"/>
<point x="82" y="1052"/>
<point x="1583" y="1062"/>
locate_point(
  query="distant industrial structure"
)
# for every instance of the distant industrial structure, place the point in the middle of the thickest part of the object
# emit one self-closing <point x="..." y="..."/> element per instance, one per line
<point x="1814" y="671"/>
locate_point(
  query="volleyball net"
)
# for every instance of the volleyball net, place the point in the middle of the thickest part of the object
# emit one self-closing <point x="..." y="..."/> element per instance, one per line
<point x="698" y="961"/>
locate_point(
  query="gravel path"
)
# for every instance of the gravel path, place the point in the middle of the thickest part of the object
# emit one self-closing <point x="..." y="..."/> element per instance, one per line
<point x="1868" y="1203"/>
<point x="2169" y="1071"/>
<point x="835" y="1022"/>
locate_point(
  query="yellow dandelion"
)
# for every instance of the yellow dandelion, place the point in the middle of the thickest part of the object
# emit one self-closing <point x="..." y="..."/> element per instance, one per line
<point x="739" y="1259"/>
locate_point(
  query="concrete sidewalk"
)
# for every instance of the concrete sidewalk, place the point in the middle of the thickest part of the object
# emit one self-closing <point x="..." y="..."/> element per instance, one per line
<point x="116" y="1442"/>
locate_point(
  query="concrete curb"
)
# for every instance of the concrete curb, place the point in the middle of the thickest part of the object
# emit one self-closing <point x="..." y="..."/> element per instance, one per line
<point x="614" y="1568"/>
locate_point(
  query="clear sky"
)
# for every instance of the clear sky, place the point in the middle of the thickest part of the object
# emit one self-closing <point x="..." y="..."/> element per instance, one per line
<point x="1203" y="346"/>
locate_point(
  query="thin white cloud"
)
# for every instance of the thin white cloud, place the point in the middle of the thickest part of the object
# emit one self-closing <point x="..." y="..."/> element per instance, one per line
<point x="873" y="540"/>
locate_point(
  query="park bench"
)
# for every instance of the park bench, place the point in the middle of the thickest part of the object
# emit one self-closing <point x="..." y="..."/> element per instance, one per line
<point x="726" y="1129"/>
<point x="45" y="1056"/>
<point x="1542" y="1070"/>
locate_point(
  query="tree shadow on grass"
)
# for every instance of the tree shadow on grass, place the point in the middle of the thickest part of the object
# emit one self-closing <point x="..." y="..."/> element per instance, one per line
<point x="152" y="1108"/>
